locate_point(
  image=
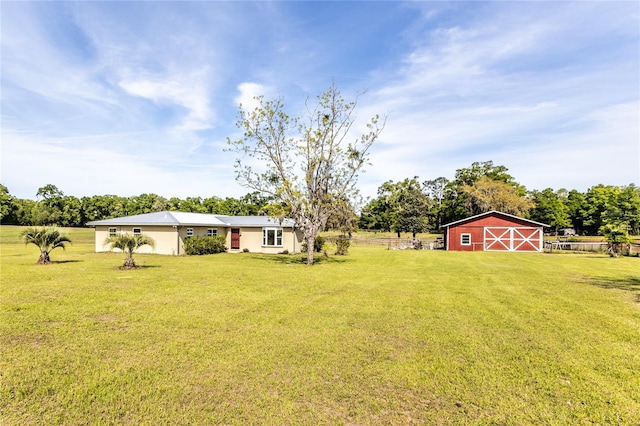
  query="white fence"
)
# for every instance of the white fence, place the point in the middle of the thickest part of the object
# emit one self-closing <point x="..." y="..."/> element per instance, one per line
<point x="595" y="247"/>
<point x="400" y="243"/>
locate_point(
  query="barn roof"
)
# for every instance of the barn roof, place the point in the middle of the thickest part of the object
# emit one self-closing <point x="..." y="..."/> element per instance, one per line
<point x="169" y="218"/>
<point x="493" y="213"/>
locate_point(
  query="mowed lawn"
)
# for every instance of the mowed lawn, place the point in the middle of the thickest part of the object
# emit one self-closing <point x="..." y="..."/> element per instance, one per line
<point x="378" y="337"/>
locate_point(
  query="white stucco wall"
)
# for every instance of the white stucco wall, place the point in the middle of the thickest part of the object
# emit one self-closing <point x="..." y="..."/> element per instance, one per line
<point x="169" y="240"/>
<point x="251" y="239"/>
<point x="165" y="237"/>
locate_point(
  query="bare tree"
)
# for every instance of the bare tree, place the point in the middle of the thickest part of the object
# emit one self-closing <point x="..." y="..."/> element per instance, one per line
<point x="309" y="163"/>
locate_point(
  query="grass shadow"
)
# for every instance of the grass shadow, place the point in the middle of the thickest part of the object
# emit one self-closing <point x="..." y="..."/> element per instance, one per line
<point x="630" y="283"/>
<point x="301" y="259"/>
<point x="137" y="267"/>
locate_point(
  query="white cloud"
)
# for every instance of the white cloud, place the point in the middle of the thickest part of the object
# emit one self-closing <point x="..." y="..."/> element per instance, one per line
<point x="189" y="92"/>
<point x="248" y="92"/>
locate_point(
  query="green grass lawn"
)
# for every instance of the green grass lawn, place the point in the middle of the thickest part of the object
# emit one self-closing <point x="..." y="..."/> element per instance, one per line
<point x="378" y="337"/>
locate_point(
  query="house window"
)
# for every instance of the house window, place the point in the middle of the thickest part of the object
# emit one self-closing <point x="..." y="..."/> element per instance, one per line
<point x="137" y="231"/>
<point x="465" y="239"/>
<point x="113" y="232"/>
<point x="272" y="237"/>
<point x="189" y="232"/>
<point x="212" y="232"/>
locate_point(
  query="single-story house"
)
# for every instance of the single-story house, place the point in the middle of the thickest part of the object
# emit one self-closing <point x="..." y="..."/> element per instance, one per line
<point x="170" y="229"/>
<point x="494" y="231"/>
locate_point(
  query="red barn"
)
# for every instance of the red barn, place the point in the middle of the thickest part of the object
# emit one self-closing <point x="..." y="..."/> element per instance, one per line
<point x="494" y="231"/>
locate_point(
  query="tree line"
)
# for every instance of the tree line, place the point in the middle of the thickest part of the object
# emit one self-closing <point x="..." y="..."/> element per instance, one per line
<point x="53" y="207"/>
<point x="405" y="206"/>
<point x="417" y="207"/>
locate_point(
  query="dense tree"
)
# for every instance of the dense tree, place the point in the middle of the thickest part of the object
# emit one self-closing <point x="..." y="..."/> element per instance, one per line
<point x="49" y="192"/>
<point x="129" y="243"/>
<point x="550" y="207"/>
<point x="145" y="203"/>
<point x="625" y="209"/>
<point x="457" y="203"/>
<point x="233" y="207"/>
<point x="470" y="175"/>
<point x="100" y="207"/>
<point x="617" y="238"/>
<point x="46" y="239"/>
<point x="376" y="215"/>
<point x="71" y="214"/>
<point x="436" y="190"/>
<point x="410" y="207"/>
<point x="159" y="204"/>
<point x="574" y="202"/>
<point x="48" y="210"/>
<point x="54" y="207"/>
<point x="343" y="218"/>
<point x="400" y="206"/>
<point x="214" y="205"/>
<point x="309" y="162"/>
<point x="254" y="203"/>
<point x="487" y="194"/>
<point x="597" y="200"/>
<point x="386" y="205"/>
<point x="189" y="204"/>
<point x="7" y="205"/>
<point x="23" y="212"/>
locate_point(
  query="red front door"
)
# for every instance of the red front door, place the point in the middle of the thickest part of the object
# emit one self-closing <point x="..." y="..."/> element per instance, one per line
<point x="235" y="239"/>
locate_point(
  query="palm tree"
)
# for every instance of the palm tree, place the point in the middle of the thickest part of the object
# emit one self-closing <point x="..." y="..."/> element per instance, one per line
<point x="129" y="243"/>
<point x="47" y="239"/>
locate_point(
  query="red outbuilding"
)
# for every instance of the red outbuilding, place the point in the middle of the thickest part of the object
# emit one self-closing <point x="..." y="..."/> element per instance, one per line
<point x="494" y="231"/>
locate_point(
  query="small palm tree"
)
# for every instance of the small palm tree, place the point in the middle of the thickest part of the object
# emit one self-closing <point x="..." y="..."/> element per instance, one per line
<point x="129" y="243"/>
<point x="47" y="239"/>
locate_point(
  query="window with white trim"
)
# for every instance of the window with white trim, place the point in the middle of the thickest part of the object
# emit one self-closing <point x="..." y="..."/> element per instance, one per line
<point x="137" y="231"/>
<point x="272" y="237"/>
<point x="113" y="232"/>
<point x="189" y="232"/>
<point x="212" y="232"/>
<point x="465" y="239"/>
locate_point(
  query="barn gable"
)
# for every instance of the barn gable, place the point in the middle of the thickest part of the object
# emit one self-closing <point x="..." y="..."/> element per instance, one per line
<point x="494" y="231"/>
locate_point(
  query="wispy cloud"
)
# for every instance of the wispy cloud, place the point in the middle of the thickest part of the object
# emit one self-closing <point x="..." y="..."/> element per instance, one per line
<point x="189" y="92"/>
<point x="500" y="88"/>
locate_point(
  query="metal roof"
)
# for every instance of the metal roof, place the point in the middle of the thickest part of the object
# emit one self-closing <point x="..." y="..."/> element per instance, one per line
<point x="169" y="218"/>
<point x="255" y="221"/>
<point x="493" y="212"/>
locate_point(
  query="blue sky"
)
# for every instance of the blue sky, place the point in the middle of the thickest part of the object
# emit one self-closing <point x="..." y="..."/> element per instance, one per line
<point x="128" y="98"/>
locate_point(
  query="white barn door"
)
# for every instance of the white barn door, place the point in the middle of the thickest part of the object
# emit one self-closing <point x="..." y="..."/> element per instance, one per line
<point x="512" y="239"/>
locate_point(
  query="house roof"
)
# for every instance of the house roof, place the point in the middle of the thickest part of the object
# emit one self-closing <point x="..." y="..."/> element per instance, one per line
<point x="494" y="213"/>
<point x="255" y="221"/>
<point x="170" y="218"/>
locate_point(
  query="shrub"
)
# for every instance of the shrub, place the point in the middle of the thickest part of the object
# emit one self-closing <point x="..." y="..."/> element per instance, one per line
<point x="617" y="238"/>
<point x="342" y="245"/>
<point x="199" y="245"/>
<point x="318" y="244"/>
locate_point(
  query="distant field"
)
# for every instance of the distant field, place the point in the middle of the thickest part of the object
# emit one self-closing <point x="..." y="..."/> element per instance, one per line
<point x="379" y="337"/>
